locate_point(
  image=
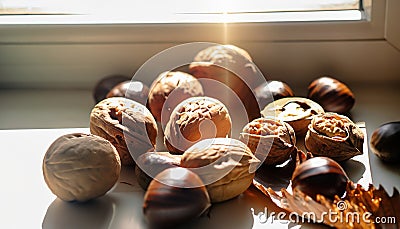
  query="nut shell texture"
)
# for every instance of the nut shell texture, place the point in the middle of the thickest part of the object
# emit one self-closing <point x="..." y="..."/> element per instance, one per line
<point x="195" y="119"/>
<point x="331" y="94"/>
<point x="80" y="167"/>
<point x="168" y="90"/>
<point x="175" y="196"/>
<point x="225" y="165"/>
<point x="271" y="140"/>
<point x="127" y="124"/>
<point x="272" y="90"/>
<point x="385" y="142"/>
<point x="295" y="111"/>
<point x="334" y="136"/>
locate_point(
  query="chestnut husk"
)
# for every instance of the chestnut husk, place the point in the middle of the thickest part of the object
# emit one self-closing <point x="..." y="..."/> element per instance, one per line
<point x="320" y="175"/>
<point x="270" y="91"/>
<point x="175" y="196"/>
<point x="385" y="142"/>
<point x="331" y="94"/>
<point x="271" y="141"/>
<point x="150" y="164"/>
<point x="339" y="148"/>
<point x="134" y="90"/>
<point x="296" y="111"/>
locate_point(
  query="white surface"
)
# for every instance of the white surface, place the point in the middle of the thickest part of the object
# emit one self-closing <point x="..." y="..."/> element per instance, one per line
<point x="28" y="203"/>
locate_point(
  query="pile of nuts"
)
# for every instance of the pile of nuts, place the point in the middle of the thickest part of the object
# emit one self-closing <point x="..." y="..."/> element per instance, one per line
<point x="205" y="164"/>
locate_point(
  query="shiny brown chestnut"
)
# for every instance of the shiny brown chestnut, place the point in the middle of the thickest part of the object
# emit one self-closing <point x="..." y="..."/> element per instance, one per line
<point x="175" y="196"/>
<point x="106" y="84"/>
<point x="320" y="175"/>
<point x="331" y="94"/>
<point x="150" y="164"/>
<point x="385" y="142"/>
<point x="272" y="90"/>
<point x="134" y="90"/>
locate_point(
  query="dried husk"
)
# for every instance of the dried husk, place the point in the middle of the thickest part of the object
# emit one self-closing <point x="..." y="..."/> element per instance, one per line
<point x="358" y="201"/>
<point x="226" y="166"/>
<point x="296" y="111"/>
<point x="272" y="141"/>
<point x="337" y="146"/>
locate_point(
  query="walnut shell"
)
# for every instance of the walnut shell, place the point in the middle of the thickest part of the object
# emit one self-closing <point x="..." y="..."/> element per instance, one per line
<point x="80" y="167"/>
<point x="127" y="124"/>
<point x="271" y="140"/>
<point x="195" y="119"/>
<point x="231" y="66"/>
<point x="168" y="90"/>
<point x="296" y="111"/>
<point x="226" y="166"/>
<point x="334" y="136"/>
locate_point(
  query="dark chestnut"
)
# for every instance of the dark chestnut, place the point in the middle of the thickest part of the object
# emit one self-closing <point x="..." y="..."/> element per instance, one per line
<point x="150" y="164"/>
<point x="385" y="142"/>
<point x="276" y="89"/>
<point x="320" y="175"/>
<point x="106" y="84"/>
<point x="331" y="94"/>
<point x="134" y="90"/>
<point x="175" y="196"/>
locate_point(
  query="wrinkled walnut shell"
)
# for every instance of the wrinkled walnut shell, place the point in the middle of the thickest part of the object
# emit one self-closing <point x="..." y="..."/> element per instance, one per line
<point x="334" y="136"/>
<point x="231" y="66"/>
<point x="195" y="119"/>
<point x="271" y="140"/>
<point x="179" y="85"/>
<point x="296" y="111"/>
<point x="80" y="167"/>
<point x="226" y="166"/>
<point x="127" y="124"/>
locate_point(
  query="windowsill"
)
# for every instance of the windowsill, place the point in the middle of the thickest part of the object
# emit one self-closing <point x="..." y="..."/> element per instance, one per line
<point x="342" y="15"/>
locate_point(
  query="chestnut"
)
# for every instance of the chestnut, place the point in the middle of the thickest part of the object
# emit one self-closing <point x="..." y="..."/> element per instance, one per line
<point x="106" y="84"/>
<point x="384" y="142"/>
<point x="272" y="90"/>
<point x="320" y="175"/>
<point x="134" y="90"/>
<point x="175" y="196"/>
<point x="331" y="94"/>
<point x="150" y="164"/>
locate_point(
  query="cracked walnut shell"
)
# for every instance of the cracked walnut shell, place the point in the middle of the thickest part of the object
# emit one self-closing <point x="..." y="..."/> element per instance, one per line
<point x="226" y="166"/>
<point x="271" y="140"/>
<point x="334" y="136"/>
<point x="295" y="111"/>
<point x="195" y="119"/>
<point x="127" y="124"/>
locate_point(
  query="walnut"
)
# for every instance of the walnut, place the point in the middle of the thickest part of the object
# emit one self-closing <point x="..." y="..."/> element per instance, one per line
<point x="195" y="119"/>
<point x="335" y="136"/>
<point x="271" y="140"/>
<point x="226" y="166"/>
<point x="127" y="124"/>
<point x="80" y="167"/>
<point x="296" y="111"/>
